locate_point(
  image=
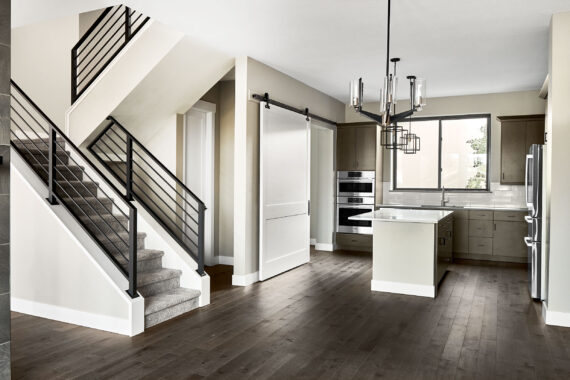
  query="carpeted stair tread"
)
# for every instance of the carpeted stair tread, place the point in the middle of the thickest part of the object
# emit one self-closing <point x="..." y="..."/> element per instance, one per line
<point x="168" y="299"/>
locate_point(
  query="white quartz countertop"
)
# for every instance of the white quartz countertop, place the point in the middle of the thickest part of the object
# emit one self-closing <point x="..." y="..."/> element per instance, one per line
<point x="403" y="215"/>
<point x="495" y="207"/>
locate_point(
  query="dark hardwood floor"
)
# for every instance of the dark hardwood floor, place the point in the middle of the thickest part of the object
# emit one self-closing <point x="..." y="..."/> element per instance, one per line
<point x="319" y="321"/>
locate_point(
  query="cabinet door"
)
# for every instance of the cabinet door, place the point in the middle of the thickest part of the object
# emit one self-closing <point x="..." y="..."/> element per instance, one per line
<point x="513" y="151"/>
<point x="366" y="148"/>
<point x="534" y="133"/>
<point x="345" y="149"/>
<point x="508" y="239"/>
<point x="460" y="235"/>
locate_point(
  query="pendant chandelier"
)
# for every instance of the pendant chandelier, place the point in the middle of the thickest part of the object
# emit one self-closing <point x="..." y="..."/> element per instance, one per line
<point x="393" y="136"/>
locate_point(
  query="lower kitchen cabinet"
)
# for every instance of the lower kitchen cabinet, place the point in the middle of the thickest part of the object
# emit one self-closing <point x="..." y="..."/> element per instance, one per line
<point x="490" y="235"/>
<point x="508" y="239"/>
<point x="354" y="242"/>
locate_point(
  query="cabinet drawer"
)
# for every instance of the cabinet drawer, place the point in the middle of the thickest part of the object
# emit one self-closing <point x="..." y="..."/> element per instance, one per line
<point x="481" y="246"/>
<point x="512" y="216"/>
<point x="354" y="240"/>
<point x="481" y="228"/>
<point x="480" y="215"/>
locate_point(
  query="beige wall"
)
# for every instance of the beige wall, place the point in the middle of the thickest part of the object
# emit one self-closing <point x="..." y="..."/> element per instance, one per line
<point x="255" y="77"/>
<point x="501" y="104"/>
<point x="558" y="158"/>
<point x="41" y="64"/>
<point x="87" y="19"/>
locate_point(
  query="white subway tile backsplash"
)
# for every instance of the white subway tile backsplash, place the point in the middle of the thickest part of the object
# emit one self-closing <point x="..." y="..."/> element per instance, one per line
<point x="500" y="195"/>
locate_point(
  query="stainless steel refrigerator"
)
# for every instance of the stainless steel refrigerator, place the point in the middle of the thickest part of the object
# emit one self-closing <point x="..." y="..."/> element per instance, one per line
<point x="533" y="188"/>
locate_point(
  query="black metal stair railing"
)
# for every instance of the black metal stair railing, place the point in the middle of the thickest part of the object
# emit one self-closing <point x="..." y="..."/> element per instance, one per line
<point x="175" y="207"/>
<point x="101" y="43"/>
<point x="74" y="182"/>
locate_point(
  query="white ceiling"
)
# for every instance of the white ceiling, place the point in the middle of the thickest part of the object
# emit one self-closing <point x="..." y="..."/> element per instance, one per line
<point x="460" y="46"/>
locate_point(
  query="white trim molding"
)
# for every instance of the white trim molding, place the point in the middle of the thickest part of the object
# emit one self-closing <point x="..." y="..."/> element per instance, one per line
<point x="555" y="318"/>
<point x="245" y="279"/>
<point x="81" y="318"/>
<point x="403" y="288"/>
<point x="313" y="241"/>
<point x="324" y="247"/>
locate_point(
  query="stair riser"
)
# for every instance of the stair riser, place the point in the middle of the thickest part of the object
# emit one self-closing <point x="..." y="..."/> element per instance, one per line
<point x="89" y="190"/>
<point x="37" y="158"/>
<point x="106" y="227"/>
<point x="148" y="265"/>
<point x="104" y="207"/>
<point x="159" y="287"/>
<point x="169" y="313"/>
<point x="118" y="245"/>
<point x="62" y="174"/>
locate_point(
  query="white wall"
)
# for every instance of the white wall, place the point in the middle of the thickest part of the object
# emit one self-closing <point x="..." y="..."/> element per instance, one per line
<point x="255" y="77"/>
<point x="558" y="174"/>
<point x="322" y="186"/>
<point x="41" y="63"/>
<point x="57" y="271"/>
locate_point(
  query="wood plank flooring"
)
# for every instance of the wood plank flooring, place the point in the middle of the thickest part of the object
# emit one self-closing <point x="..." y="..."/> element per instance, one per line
<point x="319" y="321"/>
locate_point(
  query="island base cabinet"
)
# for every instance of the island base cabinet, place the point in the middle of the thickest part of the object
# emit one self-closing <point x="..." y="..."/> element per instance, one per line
<point x="354" y="242"/>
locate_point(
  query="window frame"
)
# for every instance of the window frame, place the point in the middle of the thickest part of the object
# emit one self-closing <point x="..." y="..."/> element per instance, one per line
<point x="487" y="188"/>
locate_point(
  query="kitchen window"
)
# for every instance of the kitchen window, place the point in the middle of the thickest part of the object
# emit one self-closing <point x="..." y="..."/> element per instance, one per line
<point x="454" y="154"/>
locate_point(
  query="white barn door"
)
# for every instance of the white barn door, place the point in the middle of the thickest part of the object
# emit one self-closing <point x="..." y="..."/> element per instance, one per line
<point x="284" y="184"/>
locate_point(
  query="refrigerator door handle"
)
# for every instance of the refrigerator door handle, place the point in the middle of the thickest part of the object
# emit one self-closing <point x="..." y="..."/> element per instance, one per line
<point x="528" y="157"/>
<point x="528" y="219"/>
<point x="528" y="241"/>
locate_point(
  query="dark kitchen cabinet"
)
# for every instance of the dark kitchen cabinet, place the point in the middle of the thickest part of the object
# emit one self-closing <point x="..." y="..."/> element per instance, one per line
<point x="518" y="133"/>
<point x="356" y="147"/>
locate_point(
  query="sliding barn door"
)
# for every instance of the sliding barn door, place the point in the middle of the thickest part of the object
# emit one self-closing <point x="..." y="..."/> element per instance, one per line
<point x="284" y="190"/>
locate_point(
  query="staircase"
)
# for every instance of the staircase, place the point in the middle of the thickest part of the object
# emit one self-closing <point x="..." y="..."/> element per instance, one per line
<point x="108" y="218"/>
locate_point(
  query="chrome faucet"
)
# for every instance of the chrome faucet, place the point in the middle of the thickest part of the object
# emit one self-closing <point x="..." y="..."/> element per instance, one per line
<point x="443" y="200"/>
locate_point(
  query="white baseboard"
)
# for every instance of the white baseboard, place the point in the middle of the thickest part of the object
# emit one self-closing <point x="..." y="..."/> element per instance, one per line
<point x="76" y="317"/>
<point x="245" y="280"/>
<point x="403" y="288"/>
<point x="324" y="247"/>
<point x="555" y="318"/>
<point x="313" y="241"/>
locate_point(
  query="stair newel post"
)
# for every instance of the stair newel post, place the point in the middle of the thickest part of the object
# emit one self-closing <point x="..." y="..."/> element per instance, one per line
<point x="127" y="24"/>
<point x="129" y="179"/>
<point x="51" y="166"/>
<point x="133" y="252"/>
<point x="201" y="211"/>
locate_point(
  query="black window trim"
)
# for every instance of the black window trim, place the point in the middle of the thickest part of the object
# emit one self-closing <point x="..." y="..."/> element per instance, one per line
<point x="431" y="189"/>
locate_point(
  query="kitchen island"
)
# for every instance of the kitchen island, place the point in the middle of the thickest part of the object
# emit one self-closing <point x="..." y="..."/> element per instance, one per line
<point x="410" y="249"/>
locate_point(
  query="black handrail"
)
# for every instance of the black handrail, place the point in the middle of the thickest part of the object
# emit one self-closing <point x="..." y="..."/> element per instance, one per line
<point x="85" y="71"/>
<point x="56" y="166"/>
<point x="177" y="223"/>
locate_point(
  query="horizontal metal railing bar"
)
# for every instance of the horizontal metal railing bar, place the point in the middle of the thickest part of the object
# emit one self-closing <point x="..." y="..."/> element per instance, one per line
<point x="148" y="209"/>
<point x="142" y="24"/>
<point x="84" y="46"/>
<point x="58" y="144"/>
<point x="152" y="179"/>
<point x="92" y="28"/>
<point x="74" y="147"/>
<point x="136" y="20"/>
<point x="198" y="200"/>
<point x="120" y="39"/>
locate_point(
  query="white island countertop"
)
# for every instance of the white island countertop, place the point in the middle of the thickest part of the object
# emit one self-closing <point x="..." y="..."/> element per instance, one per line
<point x="403" y="215"/>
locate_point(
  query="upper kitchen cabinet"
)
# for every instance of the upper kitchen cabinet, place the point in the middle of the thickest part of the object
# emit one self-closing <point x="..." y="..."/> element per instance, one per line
<point x="518" y="133"/>
<point x="356" y="147"/>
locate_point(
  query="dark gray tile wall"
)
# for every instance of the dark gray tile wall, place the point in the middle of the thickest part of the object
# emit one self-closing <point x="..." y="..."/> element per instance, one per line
<point x="4" y="189"/>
